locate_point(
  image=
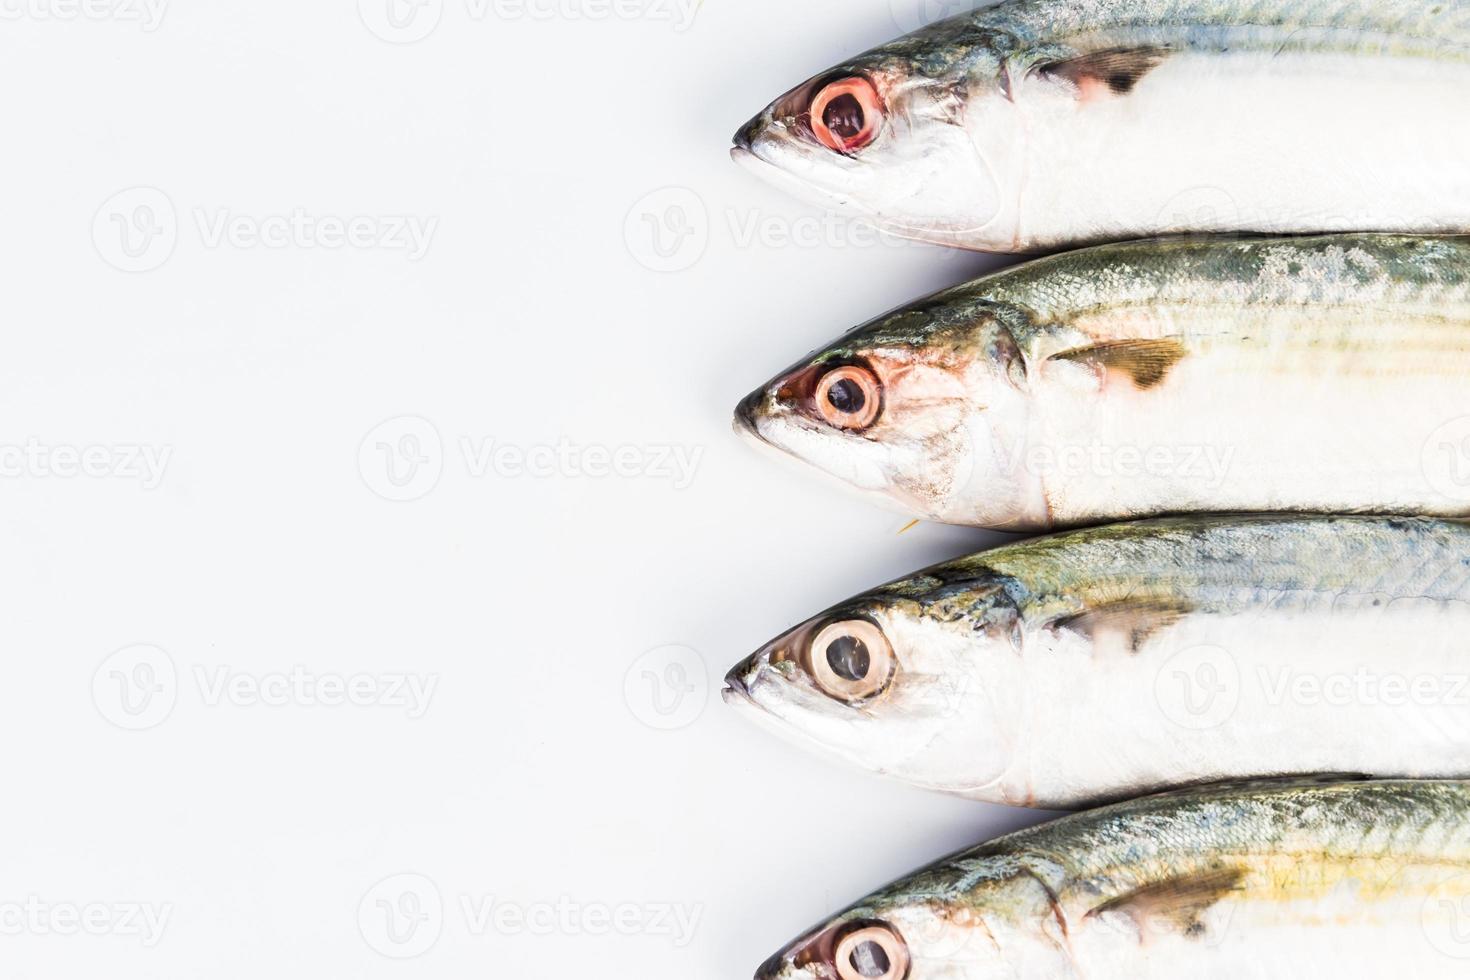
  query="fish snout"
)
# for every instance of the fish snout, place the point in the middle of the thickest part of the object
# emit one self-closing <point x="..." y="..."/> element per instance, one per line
<point x="746" y="136"/>
<point x="735" y="688"/>
<point x="748" y="412"/>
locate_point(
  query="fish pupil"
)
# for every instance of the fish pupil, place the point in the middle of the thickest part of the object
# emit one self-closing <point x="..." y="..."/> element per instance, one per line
<point x="870" y="960"/>
<point x="844" y="116"/>
<point x="848" y="657"/>
<point x="847" y="397"/>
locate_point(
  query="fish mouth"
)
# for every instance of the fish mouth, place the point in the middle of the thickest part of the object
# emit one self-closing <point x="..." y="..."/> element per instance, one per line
<point x="745" y="137"/>
<point x="746" y="425"/>
<point x="784" y="180"/>
<point x="745" y="414"/>
<point x="735" y="692"/>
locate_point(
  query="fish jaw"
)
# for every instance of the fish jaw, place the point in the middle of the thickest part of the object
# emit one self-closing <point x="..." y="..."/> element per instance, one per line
<point x="779" y="436"/>
<point x="789" y="183"/>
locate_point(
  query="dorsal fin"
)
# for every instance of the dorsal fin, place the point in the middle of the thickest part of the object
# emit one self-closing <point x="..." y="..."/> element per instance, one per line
<point x="1119" y="69"/>
<point x="1147" y="362"/>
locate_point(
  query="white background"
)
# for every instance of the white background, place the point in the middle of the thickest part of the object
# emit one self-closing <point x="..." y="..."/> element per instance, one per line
<point x="275" y="385"/>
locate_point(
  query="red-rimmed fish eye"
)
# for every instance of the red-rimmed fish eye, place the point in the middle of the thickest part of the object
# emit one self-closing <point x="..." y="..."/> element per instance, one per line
<point x="873" y="952"/>
<point x="851" y="660"/>
<point x="845" y="114"/>
<point x="849" y="397"/>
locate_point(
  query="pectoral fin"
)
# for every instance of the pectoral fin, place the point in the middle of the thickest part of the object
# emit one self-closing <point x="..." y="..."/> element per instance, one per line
<point x="1129" y="622"/>
<point x="1174" y="905"/>
<point x="1116" y="70"/>
<point x="1146" y="362"/>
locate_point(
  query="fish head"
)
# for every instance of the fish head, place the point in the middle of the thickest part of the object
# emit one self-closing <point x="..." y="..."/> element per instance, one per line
<point x="920" y="680"/>
<point x="925" y="410"/>
<point x="891" y="138"/>
<point x="996" y="926"/>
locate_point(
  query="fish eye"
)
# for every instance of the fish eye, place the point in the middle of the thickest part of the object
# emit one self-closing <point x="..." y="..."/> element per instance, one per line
<point x="873" y="952"/>
<point x="849" y="397"/>
<point x="851" y="660"/>
<point x="845" y="115"/>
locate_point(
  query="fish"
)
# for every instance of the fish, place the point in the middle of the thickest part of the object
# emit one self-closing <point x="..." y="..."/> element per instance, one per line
<point x="1106" y="663"/>
<point x="1321" y="374"/>
<point x="1032" y="125"/>
<point x="1301" y="879"/>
